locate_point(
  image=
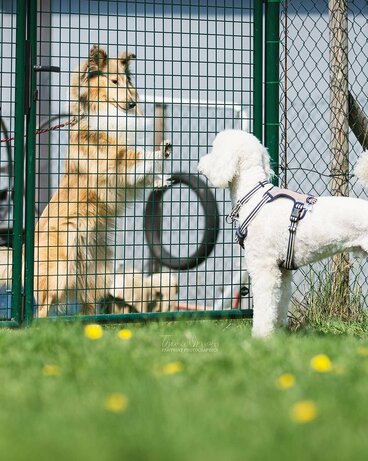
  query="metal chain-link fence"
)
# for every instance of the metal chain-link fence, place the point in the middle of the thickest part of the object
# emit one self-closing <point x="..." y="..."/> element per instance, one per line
<point x="315" y="50"/>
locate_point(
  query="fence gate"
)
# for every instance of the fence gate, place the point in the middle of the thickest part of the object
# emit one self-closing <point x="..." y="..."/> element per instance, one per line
<point x="89" y="92"/>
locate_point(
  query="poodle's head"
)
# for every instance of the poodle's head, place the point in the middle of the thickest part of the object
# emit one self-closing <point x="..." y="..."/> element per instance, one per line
<point x="234" y="151"/>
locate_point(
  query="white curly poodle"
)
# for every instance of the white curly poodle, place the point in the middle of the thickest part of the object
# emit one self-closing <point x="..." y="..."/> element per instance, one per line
<point x="332" y="225"/>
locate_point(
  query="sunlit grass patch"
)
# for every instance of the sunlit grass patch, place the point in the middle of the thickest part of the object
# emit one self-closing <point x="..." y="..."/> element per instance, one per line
<point x="128" y="399"/>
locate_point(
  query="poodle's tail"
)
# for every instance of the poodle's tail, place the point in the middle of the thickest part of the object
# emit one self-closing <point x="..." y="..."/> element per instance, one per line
<point x="361" y="169"/>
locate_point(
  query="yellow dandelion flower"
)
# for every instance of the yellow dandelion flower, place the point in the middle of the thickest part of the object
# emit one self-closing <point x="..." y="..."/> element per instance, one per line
<point x="304" y="411"/>
<point x="125" y="334"/>
<point x="93" y="331"/>
<point x="116" y="402"/>
<point x="172" y="368"/>
<point x="286" y="381"/>
<point x="321" y="363"/>
<point x="363" y="351"/>
<point x="51" y="370"/>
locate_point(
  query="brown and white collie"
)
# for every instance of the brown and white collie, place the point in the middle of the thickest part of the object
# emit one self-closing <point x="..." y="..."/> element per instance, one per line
<point x="103" y="170"/>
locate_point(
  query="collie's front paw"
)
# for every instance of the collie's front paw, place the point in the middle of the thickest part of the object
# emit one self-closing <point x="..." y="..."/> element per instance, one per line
<point x="166" y="148"/>
<point x="163" y="183"/>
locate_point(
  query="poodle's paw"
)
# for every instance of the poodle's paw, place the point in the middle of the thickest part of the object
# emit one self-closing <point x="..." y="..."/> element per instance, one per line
<point x="262" y="332"/>
<point x="166" y="148"/>
<point x="163" y="182"/>
<point x="283" y="322"/>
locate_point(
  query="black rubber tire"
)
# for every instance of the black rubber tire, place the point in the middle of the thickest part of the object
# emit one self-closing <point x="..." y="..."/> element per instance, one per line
<point x="153" y="221"/>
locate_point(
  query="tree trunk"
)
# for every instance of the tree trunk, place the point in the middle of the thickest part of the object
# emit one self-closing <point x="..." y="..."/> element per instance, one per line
<point x="339" y="127"/>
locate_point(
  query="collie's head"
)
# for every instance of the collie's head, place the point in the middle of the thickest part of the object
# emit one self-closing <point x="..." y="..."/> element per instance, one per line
<point x="102" y="83"/>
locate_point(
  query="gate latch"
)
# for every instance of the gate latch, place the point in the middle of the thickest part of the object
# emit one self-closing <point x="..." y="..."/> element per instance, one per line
<point x="46" y="68"/>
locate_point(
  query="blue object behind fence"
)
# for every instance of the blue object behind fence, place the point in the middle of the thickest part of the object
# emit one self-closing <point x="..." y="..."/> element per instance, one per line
<point x="5" y="304"/>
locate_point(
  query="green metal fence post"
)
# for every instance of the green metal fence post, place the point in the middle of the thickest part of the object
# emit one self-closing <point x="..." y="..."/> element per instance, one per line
<point x="272" y="82"/>
<point x="258" y="69"/>
<point x="30" y="167"/>
<point x="21" y="105"/>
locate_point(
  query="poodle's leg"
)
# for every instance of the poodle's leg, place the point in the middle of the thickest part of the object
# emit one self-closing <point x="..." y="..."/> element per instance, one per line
<point x="266" y="284"/>
<point x="286" y="279"/>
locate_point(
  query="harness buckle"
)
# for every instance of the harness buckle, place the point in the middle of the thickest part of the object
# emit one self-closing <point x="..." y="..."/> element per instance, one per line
<point x="234" y="214"/>
<point x="240" y="237"/>
<point x="229" y="219"/>
<point x="295" y="212"/>
<point x="311" y="200"/>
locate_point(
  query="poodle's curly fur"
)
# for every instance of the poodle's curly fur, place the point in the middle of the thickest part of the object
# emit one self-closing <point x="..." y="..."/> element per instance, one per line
<point x="335" y="224"/>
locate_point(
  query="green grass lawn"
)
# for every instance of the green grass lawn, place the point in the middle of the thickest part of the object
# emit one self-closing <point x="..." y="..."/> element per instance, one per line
<point x="216" y="400"/>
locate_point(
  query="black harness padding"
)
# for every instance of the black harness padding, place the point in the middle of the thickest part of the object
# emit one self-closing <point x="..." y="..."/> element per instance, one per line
<point x="301" y="204"/>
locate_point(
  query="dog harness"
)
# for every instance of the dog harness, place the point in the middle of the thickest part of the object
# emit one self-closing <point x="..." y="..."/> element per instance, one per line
<point x="301" y="204"/>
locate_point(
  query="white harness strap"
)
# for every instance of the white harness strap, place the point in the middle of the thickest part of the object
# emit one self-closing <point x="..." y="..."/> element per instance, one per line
<point x="241" y="231"/>
<point x="302" y="203"/>
<point x="234" y="213"/>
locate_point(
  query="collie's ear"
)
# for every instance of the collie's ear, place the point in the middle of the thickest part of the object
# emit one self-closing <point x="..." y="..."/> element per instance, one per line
<point x="266" y="164"/>
<point x="219" y="169"/>
<point x="97" y="58"/>
<point x="125" y="59"/>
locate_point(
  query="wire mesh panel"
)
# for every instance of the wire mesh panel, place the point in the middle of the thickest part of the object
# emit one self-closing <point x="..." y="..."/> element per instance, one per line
<point x="7" y="132"/>
<point x="142" y="90"/>
<point x="308" y="49"/>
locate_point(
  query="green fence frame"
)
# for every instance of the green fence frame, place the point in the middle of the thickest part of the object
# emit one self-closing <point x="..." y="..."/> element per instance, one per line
<point x="272" y="83"/>
<point x="21" y="107"/>
<point x="30" y="165"/>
